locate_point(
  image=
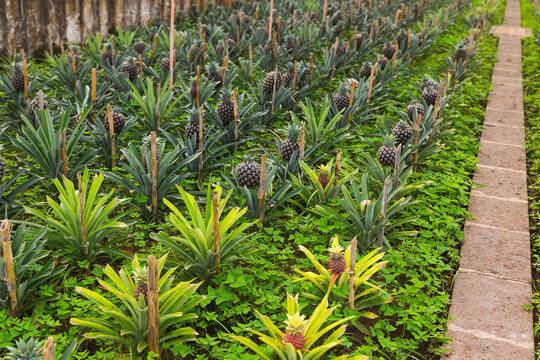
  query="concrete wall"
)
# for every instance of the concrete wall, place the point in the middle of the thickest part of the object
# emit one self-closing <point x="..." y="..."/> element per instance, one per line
<point x="43" y="24"/>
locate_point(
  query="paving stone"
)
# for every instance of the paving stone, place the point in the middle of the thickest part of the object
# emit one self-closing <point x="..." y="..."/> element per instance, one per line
<point x="492" y="306"/>
<point x="507" y="58"/>
<point x="502" y="156"/>
<point x="511" y="47"/>
<point x="503" y="134"/>
<point x="508" y="66"/>
<point x="504" y="81"/>
<point x="503" y="214"/>
<point x="482" y="249"/>
<point x="504" y="118"/>
<point x="501" y="183"/>
<point x="500" y="71"/>
<point x="469" y="347"/>
<point x="506" y="101"/>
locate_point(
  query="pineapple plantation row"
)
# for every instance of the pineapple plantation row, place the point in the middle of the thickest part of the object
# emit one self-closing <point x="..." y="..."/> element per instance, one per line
<point x="227" y="190"/>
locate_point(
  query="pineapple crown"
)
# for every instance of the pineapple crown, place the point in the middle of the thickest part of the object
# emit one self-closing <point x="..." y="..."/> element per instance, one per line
<point x="193" y="115"/>
<point x="212" y="68"/>
<point x="296" y="324"/>
<point x="130" y="59"/>
<point x="366" y="64"/>
<point x="226" y="95"/>
<point x="147" y="140"/>
<point x="324" y="169"/>
<point x="248" y="159"/>
<point x="402" y="124"/>
<point x="335" y="248"/>
<point x="388" y="45"/>
<point x="344" y="88"/>
<point x="289" y="39"/>
<point x="140" y="275"/>
<point x="293" y="131"/>
<point x="30" y="349"/>
<point x="17" y="67"/>
<point x="75" y="49"/>
<point x="196" y="43"/>
<point x="389" y="140"/>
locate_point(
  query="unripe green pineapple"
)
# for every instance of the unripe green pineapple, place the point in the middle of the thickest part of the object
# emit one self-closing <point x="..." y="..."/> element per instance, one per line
<point x="295" y="331"/>
<point x="342" y="96"/>
<point x="195" y="52"/>
<point x="225" y="109"/>
<point x="17" y="76"/>
<point x="290" y="145"/>
<point x="24" y="350"/>
<point x="192" y="127"/>
<point x="387" y="152"/>
<point x="141" y="279"/>
<point x="129" y="68"/>
<point x="337" y="263"/>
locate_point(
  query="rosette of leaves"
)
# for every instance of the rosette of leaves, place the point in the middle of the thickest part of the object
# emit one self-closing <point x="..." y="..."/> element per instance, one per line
<point x="34" y="266"/>
<point x="367" y="294"/>
<point x="77" y="237"/>
<point x="312" y="192"/>
<point x="146" y="103"/>
<point x="138" y="178"/>
<point x="30" y="349"/>
<point x="323" y="131"/>
<point x="320" y="334"/>
<point x="43" y="146"/>
<point x="125" y="319"/>
<point x="361" y="207"/>
<point x="196" y="246"/>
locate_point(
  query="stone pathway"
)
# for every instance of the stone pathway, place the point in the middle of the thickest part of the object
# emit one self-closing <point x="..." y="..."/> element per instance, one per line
<point x="494" y="279"/>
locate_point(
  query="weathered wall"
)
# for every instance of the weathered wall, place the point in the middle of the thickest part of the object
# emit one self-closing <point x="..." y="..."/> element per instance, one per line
<point x="43" y="24"/>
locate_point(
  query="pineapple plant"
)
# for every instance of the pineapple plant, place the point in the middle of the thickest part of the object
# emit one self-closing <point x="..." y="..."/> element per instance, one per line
<point x="107" y="55"/>
<point x="193" y="89"/>
<point x="192" y="126"/>
<point x="295" y="330"/>
<point x="290" y="44"/>
<point x="195" y="52"/>
<point x="382" y="62"/>
<point x="402" y="38"/>
<point x="273" y="77"/>
<point x="141" y="279"/>
<point x="17" y="76"/>
<point x="212" y="72"/>
<point x="25" y="350"/>
<point x="402" y="132"/>
<point x="268" y="47"/>
<point x="76" y="52"/>
<point x="365" y="70"/>
<point x="428" y="83"/>
<point x="33" y="105"/>
<point x="430" y="95"/>
<point x="118" y="122"/>
<point x="337" y="263"/>
<point x="388" y="51"/>
<point x="419" y="110"/>
<point x="248" y="173"/>
<point x="337" y="30"/>
<point x="225" y="109"/>
<point x="339" y="48"/>
<point x="342" y="96"/>
<point x="290" y="144"/>
<point x="460" y="51"/>
<point x="361" y="37"/>
<point x="139" y="47"/>
<point x="147" y="148"/>
<point x="165" y="64"/>
<point x="129" y="68"/>
<point x="387" y="152"/>
<point x="220" y="48"/>
<point x="324" y="175"/>
<point x="2" y="164"/>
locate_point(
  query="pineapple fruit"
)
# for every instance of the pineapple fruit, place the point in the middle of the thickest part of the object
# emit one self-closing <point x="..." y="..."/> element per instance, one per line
<point x="248" y="173"/>
<point x="290" y="144"/>
<point x="17" y="77"/>
<point x="273" y="77"/>
<point x="118" y="122"/>
<point x="342" y="96"/>
<point x="192" y="127"/>
<point x="129" y="68"/>
<point x="402" y="132"/>
<point x="337" y="263"/>
<point x="295" y="331"/>
<point x="141" y="278"/>
<point x="225" y="109"/>
<point x="324" y="175"/>
<point x="387" y="152"/>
